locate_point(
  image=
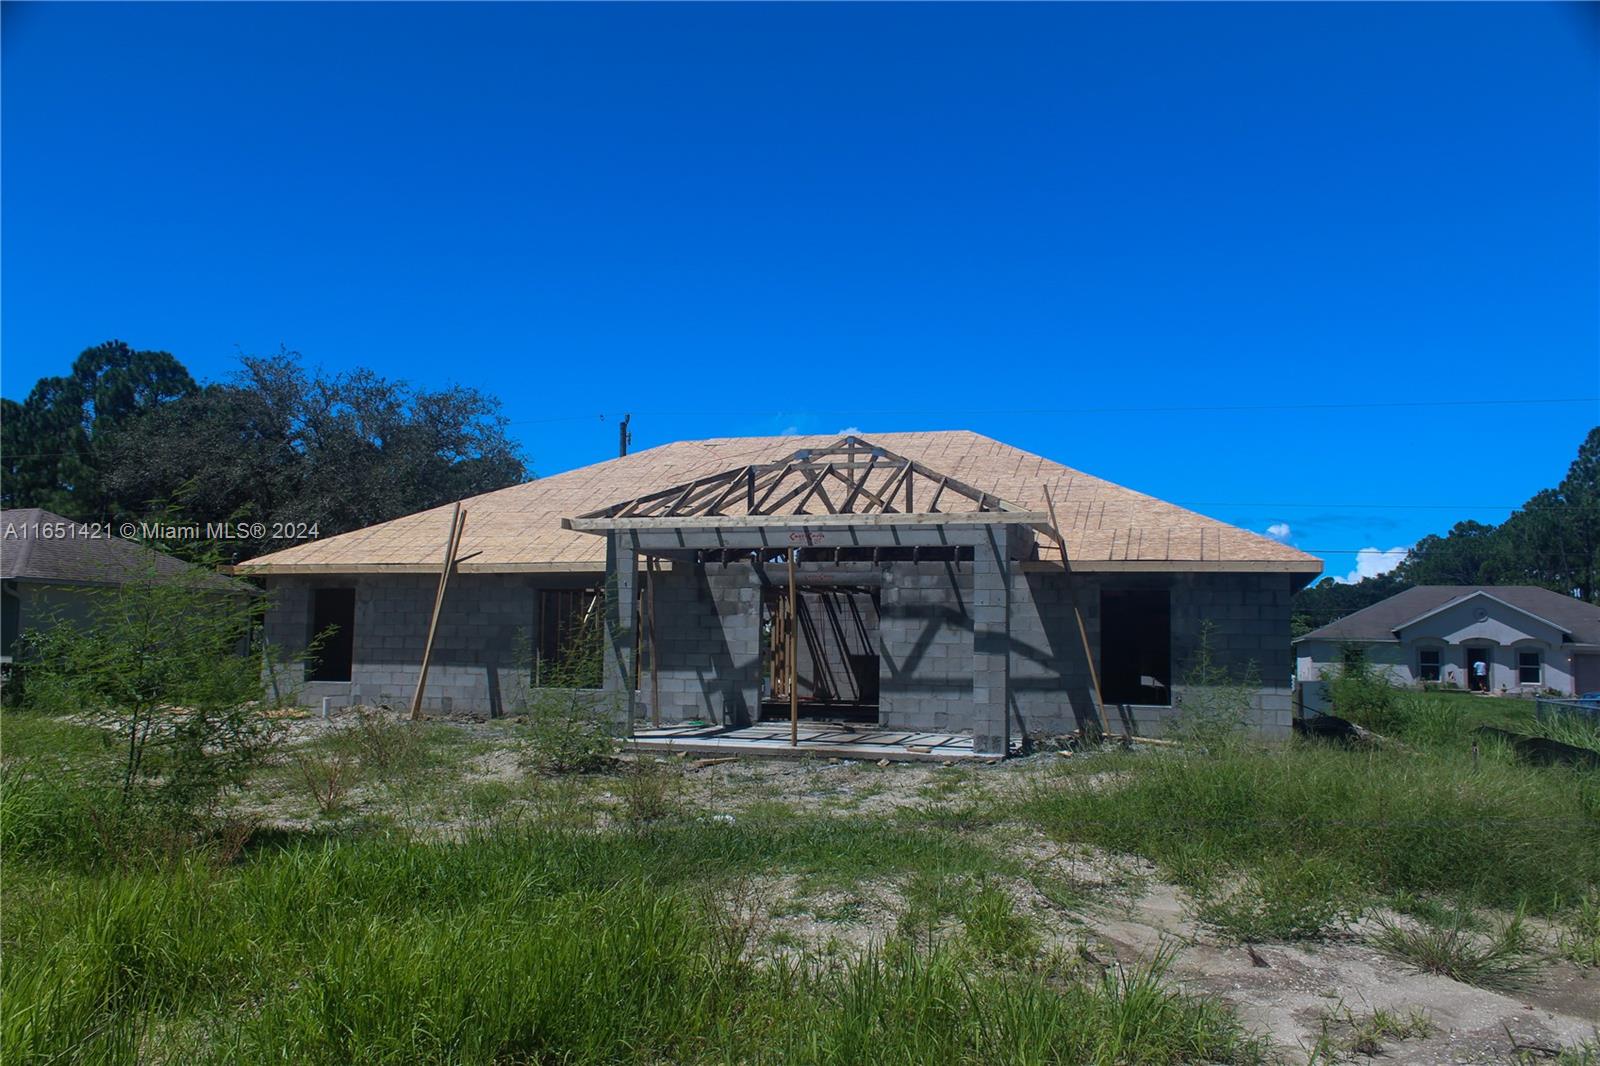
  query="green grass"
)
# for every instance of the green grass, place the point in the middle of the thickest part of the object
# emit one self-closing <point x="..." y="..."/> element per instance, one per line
<point x="1282" y="897"/>
<point x="1580" y="732"/>
<point x="538" y="939"/>
<point x="1425" y="822"/>
<point x="1504" y="959"/>
<point x="1345" y="1033"/>
<point x="587" y="918"/>
<point x="541" y="947"/>
<point x="1579" y="941"/>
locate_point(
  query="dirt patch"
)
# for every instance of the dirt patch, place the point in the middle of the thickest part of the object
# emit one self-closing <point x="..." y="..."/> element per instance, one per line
<point x="779" y="916"/>
<point x="851" y="787"/>
<point x="1292" y="992"/>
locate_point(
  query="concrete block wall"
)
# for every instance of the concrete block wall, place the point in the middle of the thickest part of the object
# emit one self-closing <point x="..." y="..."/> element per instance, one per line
<point x="837" y="659"/>
<point x="479" y="662"/>
<point x="709" y="642"/>
<point x="925" y="636"/>
<point x="1051" y="688"/>
<point x="1249" y="617"/>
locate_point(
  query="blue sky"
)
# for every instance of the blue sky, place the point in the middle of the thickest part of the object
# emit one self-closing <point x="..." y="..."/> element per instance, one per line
<point x="1163" y="244"/>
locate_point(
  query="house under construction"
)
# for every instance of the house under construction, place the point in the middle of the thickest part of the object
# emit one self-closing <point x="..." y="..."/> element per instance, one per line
<point x="928" y="583"/>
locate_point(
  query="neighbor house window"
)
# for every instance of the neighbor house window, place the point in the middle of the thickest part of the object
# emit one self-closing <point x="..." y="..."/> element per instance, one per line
<point x="568" y="651"/>
<point x="1136" y="646"/>
<point x="1428" y="664"/>
<point x="333" y="628"/>
<point x="1530" y="670"/>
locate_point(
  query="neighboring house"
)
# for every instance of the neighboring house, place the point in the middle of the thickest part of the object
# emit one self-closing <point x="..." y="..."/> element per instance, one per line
<point x="50" y="564"/>
<point x="1527" y="639"/>
<point x="931" y="593"/>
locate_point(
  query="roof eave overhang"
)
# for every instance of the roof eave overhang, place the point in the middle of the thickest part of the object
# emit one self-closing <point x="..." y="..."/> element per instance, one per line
<point x="582" y="566"/>
<point x="1184" y="566"/>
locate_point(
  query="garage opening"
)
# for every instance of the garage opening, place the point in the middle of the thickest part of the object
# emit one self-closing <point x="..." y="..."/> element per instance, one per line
<point x="1136" y="646"/>
<point x="836" y="653"/>
<point x="333" y="622"/>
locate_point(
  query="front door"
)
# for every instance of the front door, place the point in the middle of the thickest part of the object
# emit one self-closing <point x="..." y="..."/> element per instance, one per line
<point x="1478" y="669"/>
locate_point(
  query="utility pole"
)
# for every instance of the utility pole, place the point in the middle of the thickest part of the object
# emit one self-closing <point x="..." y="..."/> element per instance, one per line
<point x="624" y="436"/>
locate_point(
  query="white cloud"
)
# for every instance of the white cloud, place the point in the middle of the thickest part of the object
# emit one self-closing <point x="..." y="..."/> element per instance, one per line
<point x="1370" y="562"/>
<point x="850" y="431"/>
<point x="790" y="431"/>
<point x="1278" y="531"/>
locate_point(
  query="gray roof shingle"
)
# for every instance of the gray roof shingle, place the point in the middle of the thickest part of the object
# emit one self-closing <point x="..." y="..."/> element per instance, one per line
<point x="73" y="554"/>
<point x="1378" y="622"/>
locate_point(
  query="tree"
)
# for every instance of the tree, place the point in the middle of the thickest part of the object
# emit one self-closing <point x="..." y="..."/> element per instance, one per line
<point x="281" y="446"/>
<point x="1553" y="540"/>
<point x="1461" y="557"/>
<point x="51" y="444"/>
<point x="1329" y="600"/>
<point x="1580" y="491"/>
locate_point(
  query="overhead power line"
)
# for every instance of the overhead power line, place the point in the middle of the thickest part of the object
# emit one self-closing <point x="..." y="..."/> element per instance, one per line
<point x="1080" y="410"/>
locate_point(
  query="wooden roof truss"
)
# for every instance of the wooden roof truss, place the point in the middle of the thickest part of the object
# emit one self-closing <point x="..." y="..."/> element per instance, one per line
<point x="851" y="476"/>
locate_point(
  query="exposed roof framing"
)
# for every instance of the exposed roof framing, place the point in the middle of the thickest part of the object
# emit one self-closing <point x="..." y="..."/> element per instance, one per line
<point x="849" y="477"/>
<point x="527" y="528"/>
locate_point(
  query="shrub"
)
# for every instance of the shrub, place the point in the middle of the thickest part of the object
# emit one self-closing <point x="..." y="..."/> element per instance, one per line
<point x="1364" y="695"/>
<point x="384" y="744"/>
<point x="327" y="778"/>
<point x="649" y="788"/>
<point x="569" y="731"/>
<point x="161" y="664"/>
<point x="571" y="728"/>
<point x="1214" y="703"/>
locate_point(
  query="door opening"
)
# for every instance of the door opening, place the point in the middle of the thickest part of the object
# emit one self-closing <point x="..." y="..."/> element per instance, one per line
<point x="836" y="653"/>
<point x="333" y="620"/>
<point x="1478" y="669"/>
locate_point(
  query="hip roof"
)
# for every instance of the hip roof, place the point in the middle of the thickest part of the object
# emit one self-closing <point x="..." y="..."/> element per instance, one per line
<point x="519" y="528"/>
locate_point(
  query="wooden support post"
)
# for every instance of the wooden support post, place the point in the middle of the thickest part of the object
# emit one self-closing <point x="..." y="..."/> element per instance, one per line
<point x="1083" y="630"/>
<point x="794" y="689"/>
<point x="452" y="544"/>
<point x="655" y="671"/>
<point x="775" y="654"/>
